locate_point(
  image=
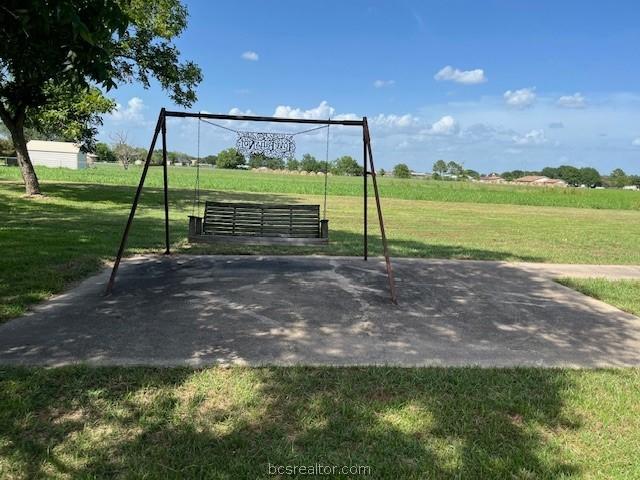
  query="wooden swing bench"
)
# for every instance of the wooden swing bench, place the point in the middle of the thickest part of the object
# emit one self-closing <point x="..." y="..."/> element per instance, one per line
<point x="259" y="224"/>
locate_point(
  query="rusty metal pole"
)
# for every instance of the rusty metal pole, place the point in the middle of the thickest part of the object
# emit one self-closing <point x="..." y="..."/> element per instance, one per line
<point x="166" y="184"/>
<point x="364" y="176"/>
<point x="136" y="199"/>
<point x="385" y="248"/>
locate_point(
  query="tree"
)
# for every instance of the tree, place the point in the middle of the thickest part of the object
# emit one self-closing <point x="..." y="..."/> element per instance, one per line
<point x="310" y="164"/>
<point x="401" y="171"/>
<point x="72" y="114"/>
<point x="6" y="148"/>
<point x="471" y="174"/>
<point x="570" y="174"/>
<point x="619" y="178"/>
<point x="257" y="160"/>
<point x="454" y="169"/>
<point x="293" y="164"/>
<point x="209" y="159"/>
<point x="105" y="154"/>
<point x="230" y="158"/>
<point x="382" y="172"/>
<point x="590" y="177"/>
<point x="347" y="165"/>
<point x="550" y="172"/>
<point x="274" y="163"/>
<point x="440" y="168"/>
<point x="47" y="45"/>
<point x="124" y="153"/>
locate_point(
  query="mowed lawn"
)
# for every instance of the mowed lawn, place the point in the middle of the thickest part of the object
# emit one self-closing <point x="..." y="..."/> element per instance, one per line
<point x="624" y="294"/>
<point x="401" y="423"/>
<point x="80" y="422"/>
<point x="76" y="227"/>
<point x="408" y="189"/>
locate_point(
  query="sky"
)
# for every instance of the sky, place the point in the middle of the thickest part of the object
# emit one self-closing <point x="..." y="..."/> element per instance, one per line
<point x="495" y="85"/>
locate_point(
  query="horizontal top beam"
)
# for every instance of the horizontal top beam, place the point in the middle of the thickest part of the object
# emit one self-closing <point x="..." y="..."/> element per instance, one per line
<point x="252" y="118"/>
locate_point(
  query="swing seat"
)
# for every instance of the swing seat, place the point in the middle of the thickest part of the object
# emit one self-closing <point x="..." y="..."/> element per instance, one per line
<point x="259" y="224"/>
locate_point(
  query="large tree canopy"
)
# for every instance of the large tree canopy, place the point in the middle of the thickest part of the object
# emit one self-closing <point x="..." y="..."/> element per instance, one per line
<point x="78" y="44"/>
<point x="71" y="114"/>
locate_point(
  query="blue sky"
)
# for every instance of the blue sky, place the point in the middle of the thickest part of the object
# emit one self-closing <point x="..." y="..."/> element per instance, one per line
<point x="496" y="85"/>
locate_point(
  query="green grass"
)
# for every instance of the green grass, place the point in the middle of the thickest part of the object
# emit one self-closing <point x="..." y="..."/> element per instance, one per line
<point x="623" y="294"/>
<point x="402" y="423"/>
<point x="81" y="422"/>
<point x="48" y="243"/>
<point x="414" y="189"/>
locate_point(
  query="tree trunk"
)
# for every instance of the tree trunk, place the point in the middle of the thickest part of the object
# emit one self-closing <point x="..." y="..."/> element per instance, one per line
<point x="16" y="128"/>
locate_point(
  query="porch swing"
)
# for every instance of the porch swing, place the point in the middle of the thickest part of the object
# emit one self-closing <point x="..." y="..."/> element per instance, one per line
<point x="276" y="226"/>
<point x="260" y="223"/>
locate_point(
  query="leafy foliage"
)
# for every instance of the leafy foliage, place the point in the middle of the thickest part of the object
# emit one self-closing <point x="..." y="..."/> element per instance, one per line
<point x="71" y="114"/>
<point x="293" y="164"/>
<point x="209" y="159"/>
<point x="309" y="163"/>
<point x="401" y="171"/>
<point x="347" y="165"/>
<point x="258" y="160"/>
<point x="46" y="45"/>
<point x="440" y="167"/>
<point x="230" y="158"/>
<point x="105" y="154"/>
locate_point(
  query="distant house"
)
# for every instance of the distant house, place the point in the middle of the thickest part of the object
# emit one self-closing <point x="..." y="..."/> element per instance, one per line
<point x="492" y="178"/>
<point x="56" y="154"/>
<point x="540" y="181"/>
<point x="420" y="174"/>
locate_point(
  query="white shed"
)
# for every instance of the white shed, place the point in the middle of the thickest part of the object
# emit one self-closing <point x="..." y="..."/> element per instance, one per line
<point x="56" y="154"/>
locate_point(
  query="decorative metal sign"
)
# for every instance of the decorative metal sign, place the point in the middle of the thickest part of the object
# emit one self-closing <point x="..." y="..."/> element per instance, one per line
<point x="275" y="145"/>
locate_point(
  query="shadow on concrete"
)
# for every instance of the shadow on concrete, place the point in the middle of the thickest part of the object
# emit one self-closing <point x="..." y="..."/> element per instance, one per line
<point x="177" y="423"/>
<point x="200" y="310"/>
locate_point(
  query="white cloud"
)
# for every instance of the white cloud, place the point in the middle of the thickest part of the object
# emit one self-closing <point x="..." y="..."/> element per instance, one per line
<point x="572" y="101"/>
<point x="636" y="142"/>
<point x="132" y="113"/>
<point x="322" y="111"/>
<point x="520" y="98"/>
<point x="466" y="77"/>
<point x="250" y="55"/>
<point x="383" y="83"/>
<point x="533" y="137"/>
<point x="447" y="125"/>
<point x="395" y="121"/>
<point x="237" y="111"/>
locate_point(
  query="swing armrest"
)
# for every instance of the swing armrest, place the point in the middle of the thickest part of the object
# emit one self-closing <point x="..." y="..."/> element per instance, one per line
<point x="195" y="225"/>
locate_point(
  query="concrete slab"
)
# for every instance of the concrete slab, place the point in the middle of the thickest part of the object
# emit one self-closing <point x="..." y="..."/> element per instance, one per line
<point x="201" y="310"/>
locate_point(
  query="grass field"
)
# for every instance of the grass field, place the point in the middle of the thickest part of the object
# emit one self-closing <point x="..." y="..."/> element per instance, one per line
<point x="624" y="294"/>
<point x="402" y="423"/>
<point x="231" y="423"/>
<point x="411" y="189"/>
<point x="69" y="233"/>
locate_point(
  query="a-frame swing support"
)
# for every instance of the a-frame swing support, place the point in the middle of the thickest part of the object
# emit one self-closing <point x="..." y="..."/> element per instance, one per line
<point x="161" y="128"/>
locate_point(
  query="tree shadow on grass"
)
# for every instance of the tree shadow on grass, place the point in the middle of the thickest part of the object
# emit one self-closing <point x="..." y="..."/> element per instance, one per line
<point x="180" y="199"/>
<point x="233" y="423"/>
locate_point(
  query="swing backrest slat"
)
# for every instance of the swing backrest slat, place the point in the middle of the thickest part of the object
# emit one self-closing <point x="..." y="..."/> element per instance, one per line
<point x="261" y="220"/>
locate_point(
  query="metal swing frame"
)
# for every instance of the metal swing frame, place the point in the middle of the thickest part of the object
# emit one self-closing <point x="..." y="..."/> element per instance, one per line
<point x="161" y="130"/>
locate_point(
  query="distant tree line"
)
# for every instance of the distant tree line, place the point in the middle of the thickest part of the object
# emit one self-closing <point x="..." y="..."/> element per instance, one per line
<point x="232" y="159"/>
<point x="345" y="165"/>
<point x="452" y="171"/>
<point x="587" y="176"/>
